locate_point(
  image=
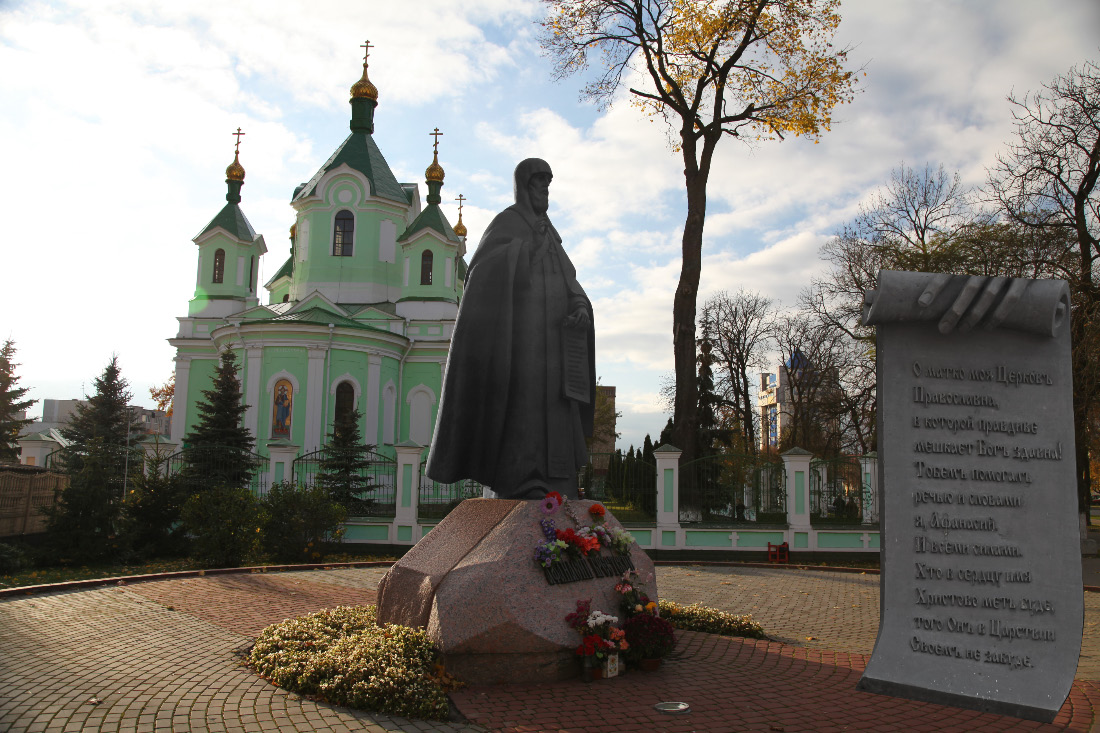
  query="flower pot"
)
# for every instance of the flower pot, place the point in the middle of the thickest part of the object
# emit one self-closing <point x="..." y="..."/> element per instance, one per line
<point x="650" y="665"/>
<point x="590" y="673"/>
<point x="611" y="666"/>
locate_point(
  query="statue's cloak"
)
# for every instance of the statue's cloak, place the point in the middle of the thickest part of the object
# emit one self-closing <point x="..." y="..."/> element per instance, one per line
<point x="503" y="418"/>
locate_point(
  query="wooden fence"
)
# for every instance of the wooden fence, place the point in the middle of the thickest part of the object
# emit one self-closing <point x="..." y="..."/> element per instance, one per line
<point x="24" y="491"/>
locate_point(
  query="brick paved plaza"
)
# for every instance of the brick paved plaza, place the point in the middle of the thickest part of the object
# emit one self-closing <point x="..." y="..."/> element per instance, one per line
<point x="164" y="655"/>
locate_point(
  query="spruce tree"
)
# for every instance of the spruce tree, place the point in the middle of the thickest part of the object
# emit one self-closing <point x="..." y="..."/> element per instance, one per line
<point x="103" y="421"/>
<point x="102" y="449"/>
<point x="218" y="450"/>
<point x="344" y="463"/>
<point x="11" y="403"/>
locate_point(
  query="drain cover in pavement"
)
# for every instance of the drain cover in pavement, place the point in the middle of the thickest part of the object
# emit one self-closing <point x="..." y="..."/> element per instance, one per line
<point x="673" y="708"/>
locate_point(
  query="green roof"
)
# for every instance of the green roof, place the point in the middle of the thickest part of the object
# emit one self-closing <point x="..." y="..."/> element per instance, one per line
<point x="232" y="220"/>
<point x="361" y="154"/>
<point x="431" y="218"/>
<point x="287" y="270"/>
<point x="385" y="307"/>
<point x="319" y="316"/>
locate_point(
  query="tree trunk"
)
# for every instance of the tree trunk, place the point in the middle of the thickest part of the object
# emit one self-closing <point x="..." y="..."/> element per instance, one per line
<point x="685" y="415"/>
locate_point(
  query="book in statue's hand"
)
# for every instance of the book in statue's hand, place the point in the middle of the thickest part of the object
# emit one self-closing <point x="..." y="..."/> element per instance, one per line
<point x="575" y="356"/>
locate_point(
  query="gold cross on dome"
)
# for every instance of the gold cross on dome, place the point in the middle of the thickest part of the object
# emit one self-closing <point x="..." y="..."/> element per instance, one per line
<point x="237" y="134"/>
<point x="460" y="199"/>
<point x="366" y="53"/>
<point x="435" y="145"/>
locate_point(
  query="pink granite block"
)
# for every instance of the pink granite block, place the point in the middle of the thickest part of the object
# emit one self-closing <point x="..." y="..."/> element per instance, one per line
<point x="492" y="612"/>
<point x="405" y="594"/>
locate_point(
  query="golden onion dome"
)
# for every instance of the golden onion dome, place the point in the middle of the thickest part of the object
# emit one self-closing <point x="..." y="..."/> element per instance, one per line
<point x="460" y="228"/>
<point x="434" y="171"/>
<point x="294" y="230"/>
<point x="235" y="171"/>
<point x="363" y="89"/>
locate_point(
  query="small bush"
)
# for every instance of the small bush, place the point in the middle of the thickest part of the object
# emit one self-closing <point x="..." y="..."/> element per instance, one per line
<point x="12" y="558"/>
<point x="224" y="523"/>
<point x="152" y="511"/>
<point x="710" y="620"/>
<point x="649" y="636"/>
<point x="344" y="658"/>
<point x="297" y="519"/>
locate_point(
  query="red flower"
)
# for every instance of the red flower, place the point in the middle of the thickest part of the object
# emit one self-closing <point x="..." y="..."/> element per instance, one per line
<point x="556" y="495"/>
<point x="590" y="645"/>
<point x="597" y="510"/>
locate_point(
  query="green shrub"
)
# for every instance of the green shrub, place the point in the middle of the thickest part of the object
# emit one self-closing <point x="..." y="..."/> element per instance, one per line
<point x="152" y="512"/>
<point x="344" y="658"/>
<point x="224" y="523"/>
<point x="297" y="519"/>
<point x="710" y="620"/>
<point x="12" y="558"/>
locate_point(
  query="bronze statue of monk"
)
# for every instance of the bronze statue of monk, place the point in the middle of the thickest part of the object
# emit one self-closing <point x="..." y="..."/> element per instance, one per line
<point x="519" y="388"/>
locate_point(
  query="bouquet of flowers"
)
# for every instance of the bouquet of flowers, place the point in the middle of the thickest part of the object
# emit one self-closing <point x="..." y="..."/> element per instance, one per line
<point x="599" y="634"/>
<point x="648" y="636"/>
<point x="561" y="543"/>
<point x="549" y="552"/>
<point x="633" y="599"/>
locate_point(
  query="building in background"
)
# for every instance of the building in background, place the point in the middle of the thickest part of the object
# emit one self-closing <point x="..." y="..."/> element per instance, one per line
<point x="39" y="439"/>
<point x="359" y="317"/>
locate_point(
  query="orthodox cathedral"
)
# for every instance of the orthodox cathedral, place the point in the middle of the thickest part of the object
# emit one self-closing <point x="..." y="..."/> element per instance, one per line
<point x="359" y="317"/>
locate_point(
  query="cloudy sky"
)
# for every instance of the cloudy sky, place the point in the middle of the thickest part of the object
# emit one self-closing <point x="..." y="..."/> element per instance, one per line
<point x="115" y="130"/>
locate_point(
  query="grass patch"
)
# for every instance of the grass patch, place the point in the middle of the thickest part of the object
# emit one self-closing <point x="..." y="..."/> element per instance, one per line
<point x="710" y="620"/>
<point x="65" y="573"/>
<point x="342" y="657"/>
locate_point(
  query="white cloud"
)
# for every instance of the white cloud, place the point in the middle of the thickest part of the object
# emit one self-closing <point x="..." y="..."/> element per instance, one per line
<point x="115" y="134"/>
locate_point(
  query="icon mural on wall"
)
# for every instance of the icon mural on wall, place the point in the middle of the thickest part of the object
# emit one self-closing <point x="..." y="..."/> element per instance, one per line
<point x="284" y="399"/>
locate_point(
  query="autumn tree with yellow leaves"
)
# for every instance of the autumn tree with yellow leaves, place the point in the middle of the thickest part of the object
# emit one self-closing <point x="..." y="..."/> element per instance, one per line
<point x="754" y="70"/>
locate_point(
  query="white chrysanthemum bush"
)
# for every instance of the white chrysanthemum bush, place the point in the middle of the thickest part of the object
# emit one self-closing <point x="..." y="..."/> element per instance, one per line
<point x="342" y="657"/>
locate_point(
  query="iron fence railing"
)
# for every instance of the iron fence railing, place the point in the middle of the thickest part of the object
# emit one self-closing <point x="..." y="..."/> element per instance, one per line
<point x="732" y="488"/>
<point x="370" y="491"/>
<point x="625" y="484"/>
<point x="201" y="467"/>
<point x="840" y="493"/>
<point x="436" y="500"/>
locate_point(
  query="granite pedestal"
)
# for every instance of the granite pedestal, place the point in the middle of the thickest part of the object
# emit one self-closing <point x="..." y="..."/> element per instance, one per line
<point x="474" y="584"/>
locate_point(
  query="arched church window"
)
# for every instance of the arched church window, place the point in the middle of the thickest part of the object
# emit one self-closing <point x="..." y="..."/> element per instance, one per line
<point x="426" y="268"/>
<point x="345" y="401"/>
<point x="343" y="234"/>
<point x="219" y="265"/>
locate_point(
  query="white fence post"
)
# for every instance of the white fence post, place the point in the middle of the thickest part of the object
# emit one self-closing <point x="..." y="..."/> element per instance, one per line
<point x="668" y="496"/>
<point x="796" y="466"/>
<point x="280" y="462"/>
<point x="407" y="492"/>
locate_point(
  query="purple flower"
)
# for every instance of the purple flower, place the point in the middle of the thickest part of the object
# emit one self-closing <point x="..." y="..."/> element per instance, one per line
<point x="548" y="529"/>
<point x="549" y="505"/>
<point x="544" y="556"/>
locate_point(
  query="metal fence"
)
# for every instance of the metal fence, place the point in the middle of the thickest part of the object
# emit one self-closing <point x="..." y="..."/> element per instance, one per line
<point x="24" y="493"/>
<point x="839" y="494"/>
<point x="436" y="500"/>
<point x="733" y="488"/>
<point x="372" y="490"/>
<point x="201" y="467"/>
<point x="624" y="484"/>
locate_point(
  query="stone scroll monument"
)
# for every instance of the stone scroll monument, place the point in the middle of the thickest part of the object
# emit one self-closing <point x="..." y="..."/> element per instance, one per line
<point x="981" y="599"/>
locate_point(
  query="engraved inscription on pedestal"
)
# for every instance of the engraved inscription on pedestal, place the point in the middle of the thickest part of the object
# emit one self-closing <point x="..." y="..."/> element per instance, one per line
<point x="981" y="571"/>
